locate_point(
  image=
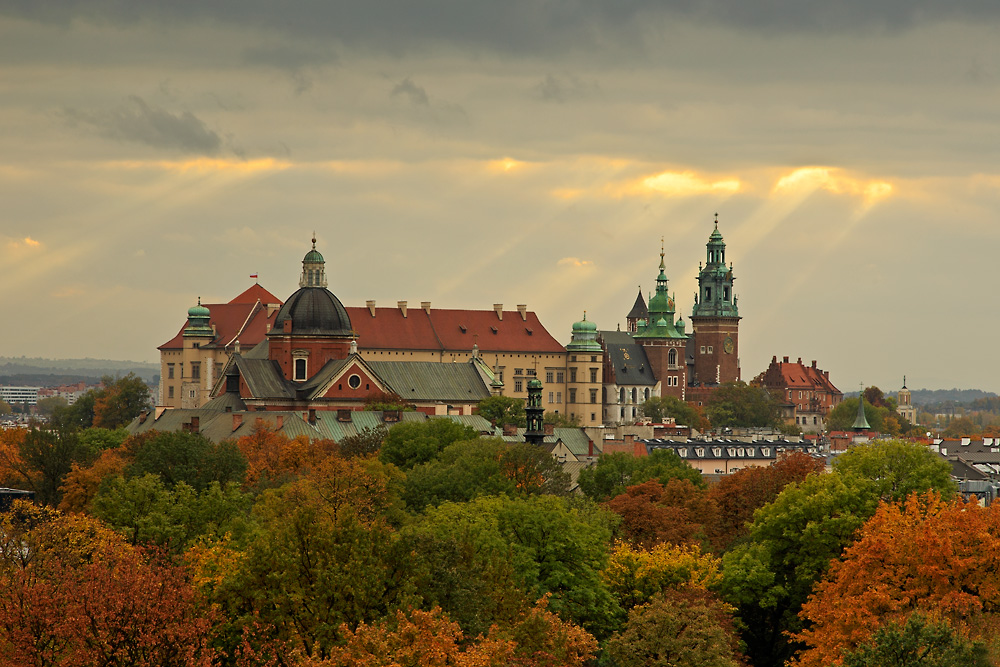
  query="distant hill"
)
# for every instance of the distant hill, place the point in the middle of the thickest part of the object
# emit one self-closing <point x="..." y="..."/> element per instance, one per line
<point x="40" y="372"/>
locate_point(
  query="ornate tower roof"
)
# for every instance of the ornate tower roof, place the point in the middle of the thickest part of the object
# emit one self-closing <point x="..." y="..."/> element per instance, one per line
<point x="199" y="322"/>
<point x="313" y="268"/>
<point x="861" y="422"/>
<point x="715" y="281"/>
<point x="584" y="337"/>
<point x="661" y="310"/>
<point x="313" y="309"/>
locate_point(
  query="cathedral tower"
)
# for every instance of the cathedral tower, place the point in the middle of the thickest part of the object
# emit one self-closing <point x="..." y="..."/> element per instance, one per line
<point x="715" y="318"/>
<point x="664" y="340"/>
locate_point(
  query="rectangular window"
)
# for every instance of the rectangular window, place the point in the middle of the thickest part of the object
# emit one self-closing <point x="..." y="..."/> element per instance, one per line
<point x="532" y="372"/>
<point x="593" y="396"/>
<point x="703" y="349"/>
<point x="593" y="375"/>
<point x="593" y="416"/>
<point x="572" y="375"/>
<point x="195" y="370"/>
<point x="518" y="385"/>
<point x="170" y="371"/>
<point x="192" y="393"/>
<point x="572" y="357"/>
<point x="710" y="349"/>
<point x="559" y="377"/>
<point x="548" y="377"/>
<point x="518" y="371"/>
<point x="572" y="395"/>
<point x="552" y="397"/>
<point x="593" y="360"/>
<point x="170" y="391"/>
<point x="558" y="397"/>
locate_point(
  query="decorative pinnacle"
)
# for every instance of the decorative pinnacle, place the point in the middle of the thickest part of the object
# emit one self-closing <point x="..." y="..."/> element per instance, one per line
<point x="716" y="220"/>
<point x="314" y="239"/>
<point x="585" y="319"/>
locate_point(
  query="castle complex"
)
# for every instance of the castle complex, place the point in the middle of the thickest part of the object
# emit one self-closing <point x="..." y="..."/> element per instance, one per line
<point x="310" y="352"/>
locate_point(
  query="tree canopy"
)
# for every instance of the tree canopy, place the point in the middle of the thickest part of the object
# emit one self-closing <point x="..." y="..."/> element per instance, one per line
<point x="503" y="410"/>
<point x="737" y="404"/>
<point x="614" y="473"/>
<point x="658" y="408"/>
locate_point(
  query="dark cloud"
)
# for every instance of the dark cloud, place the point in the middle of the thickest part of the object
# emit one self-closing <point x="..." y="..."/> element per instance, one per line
<point x="414" y="93"/>
<point x="136" y="121"/>
<point x="561" y="89"/>
<point x="515" y="26"/>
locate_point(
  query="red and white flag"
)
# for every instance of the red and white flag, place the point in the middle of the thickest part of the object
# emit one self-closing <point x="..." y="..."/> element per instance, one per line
<point x="253" y="275"/>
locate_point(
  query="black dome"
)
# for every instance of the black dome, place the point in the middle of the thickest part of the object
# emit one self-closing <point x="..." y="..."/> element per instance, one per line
<point x="314" y="311"/>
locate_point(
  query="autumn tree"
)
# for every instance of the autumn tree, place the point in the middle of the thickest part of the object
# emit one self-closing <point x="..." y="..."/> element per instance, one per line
<point x="272" y="458"/>
<point x="616" y="472"/>
<point x="651" y="512"/>
<point x="636" y="576"/>
<point x="738" y="495"/>
<point x="922" y="555"/>
<point x="119" y="401"/>
<point x="38" y="460"/>
<point x="686" y="627"/>
<point x="789" y="547"/>
<point x="82" y="482"/>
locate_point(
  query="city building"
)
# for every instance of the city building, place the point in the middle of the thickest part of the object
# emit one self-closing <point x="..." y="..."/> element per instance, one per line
<point x="19" y="395"/>
<point x="806" y="392"/>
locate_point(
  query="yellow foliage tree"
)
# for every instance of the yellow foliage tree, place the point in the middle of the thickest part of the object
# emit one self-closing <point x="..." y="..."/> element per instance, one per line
<point x="634" y="576"/>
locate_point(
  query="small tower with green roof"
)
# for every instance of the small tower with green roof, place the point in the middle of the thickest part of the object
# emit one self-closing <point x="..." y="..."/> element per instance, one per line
<point x="715" y="318"/>
<point x="585" y="368"/>
<point x="861" y="422"/>
<point x="664" y="344"/>
<point x="313" y="268"/>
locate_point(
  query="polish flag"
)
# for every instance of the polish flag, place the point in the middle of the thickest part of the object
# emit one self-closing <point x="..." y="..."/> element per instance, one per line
<point x="253" y="275"/>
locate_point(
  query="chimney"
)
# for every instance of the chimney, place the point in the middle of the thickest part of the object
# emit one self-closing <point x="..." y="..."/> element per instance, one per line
<point x="522" y="308"/>
<point x="800" y="361"/>
<point x="786" y="360"/>
<point x="371" y="306"/>
<point x="549" y="429"/>
<point x="237" y="421"/>
<point x="280" y="421"/>
<point x="426" y="305"/>
<point x="774" y="360"/>
<point x="590" y="447"/>
<point x="195" y="424"/>
<point x="312" y="416"/>
<point x="343" y="415"/>
<point x="390" y="416"/>
<point x="498" y="309"/>
<point x="402" y="307"/>
<point x="814" y="363"/>
<point x="510" y="429"/>
<point x="142" y="416"/>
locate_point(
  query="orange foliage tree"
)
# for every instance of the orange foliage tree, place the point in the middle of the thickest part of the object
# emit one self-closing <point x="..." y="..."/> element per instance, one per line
<point x="80" y="485"/>
<point x="923" y="555"/>
<point x="740" y="494"/>
<point x="653" y="513"/>
<point x="273" y="458"/>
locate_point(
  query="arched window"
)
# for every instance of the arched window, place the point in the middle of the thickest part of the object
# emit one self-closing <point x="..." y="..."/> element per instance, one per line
<point x="672" y="357"/>
<point x="621" y="396"/>
<point x="635" y="395"/>
<point x="646" y="392"/>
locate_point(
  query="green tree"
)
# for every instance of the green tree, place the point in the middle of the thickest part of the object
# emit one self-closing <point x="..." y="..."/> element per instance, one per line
<point x="410" y="443"/>
<point x="5" y="408"/>
<point x="97" y="440"/>
<point x="483" y="467"/>
<point x="898" y="468"/>
<point x="190" y="458"/>
<point x="737" y="404"/>
<point x="614" y="473"/>
<point x="120" y="401"/>
<point x="146" y="511"/>
<point x="659" y="407"/>
<point x="842" y="417"/>
<point x="46" y="406"/>
<point x="363" y="443"/>
<point x="790" y="546"/>
<point x="560" y="421"/>
<point x="45" y="457"/>
<point x="503" y="410"/>
<point x="919" y="643"/>
<point x="551" y="545"/>
<point x="687" y="627"/>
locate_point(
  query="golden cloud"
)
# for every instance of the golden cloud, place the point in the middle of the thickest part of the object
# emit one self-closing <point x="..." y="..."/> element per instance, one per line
<point x="505" y="165"/>
<point x="833" y="180"/>
<point x="688" y="183"/>
<point x="574" y="261"/>
<point x="206" y="165"/>
<point x="26" y="242"/>
<point x="67" y="293"/>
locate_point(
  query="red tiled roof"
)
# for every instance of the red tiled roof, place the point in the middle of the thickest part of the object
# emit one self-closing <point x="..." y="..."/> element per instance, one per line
<point x="444" y="329"/>
<point x="246" y="320"/>
<point x="796" y="375"/>
<point x="256" y="293"/>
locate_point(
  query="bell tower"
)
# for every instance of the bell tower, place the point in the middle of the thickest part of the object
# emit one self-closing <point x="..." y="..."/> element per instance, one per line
<point x="715" y="318"/>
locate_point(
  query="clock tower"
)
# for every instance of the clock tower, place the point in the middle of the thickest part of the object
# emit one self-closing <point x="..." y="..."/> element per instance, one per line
<point x="715" y="318"/>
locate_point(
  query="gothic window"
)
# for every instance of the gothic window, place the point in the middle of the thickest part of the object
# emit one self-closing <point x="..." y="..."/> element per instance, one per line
<point x="647" y="393"/>
<point x="621" y="395"/>
<point x="672" y="357"/>
<point x="634" y="394"/>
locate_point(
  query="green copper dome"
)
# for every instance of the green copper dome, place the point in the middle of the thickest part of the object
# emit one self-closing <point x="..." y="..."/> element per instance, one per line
<point x="534" y="383"/>
<point x="313" y="256"/>
<point x="584" y="338"/>
<point x="199" y="321"/>
<point x="198" y="311"/>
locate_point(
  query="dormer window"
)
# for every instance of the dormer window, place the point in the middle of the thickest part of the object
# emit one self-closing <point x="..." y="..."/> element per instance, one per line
<point x="300" y="369"/>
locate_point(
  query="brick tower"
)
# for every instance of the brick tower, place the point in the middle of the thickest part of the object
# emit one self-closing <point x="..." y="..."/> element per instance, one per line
<point x="715" y="319"/>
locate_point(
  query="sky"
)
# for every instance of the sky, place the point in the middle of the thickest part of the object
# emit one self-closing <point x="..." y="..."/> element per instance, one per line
<point x="471" y="153"/>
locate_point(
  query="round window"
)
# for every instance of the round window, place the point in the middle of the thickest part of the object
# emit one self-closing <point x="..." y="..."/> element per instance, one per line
<point x="354" y="381"/>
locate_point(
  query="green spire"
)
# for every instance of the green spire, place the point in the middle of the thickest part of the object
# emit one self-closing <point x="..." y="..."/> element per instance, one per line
<point x="661" y="310"/>
<point x="715" y="281"/>
<point x="861" y="423"/>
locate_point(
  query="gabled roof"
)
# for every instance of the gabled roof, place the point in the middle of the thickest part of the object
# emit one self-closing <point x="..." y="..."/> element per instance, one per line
<point x="639" y="310"/>
<point x="633" y="370"/>
<point x="239" y="319"/>
<point x="796" y="375"/>
<point x="451" y="330"/>
<point x="431" y="381"/>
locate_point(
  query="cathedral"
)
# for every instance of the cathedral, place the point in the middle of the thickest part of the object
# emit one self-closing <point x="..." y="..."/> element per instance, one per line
<point x="656" y="356"/>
